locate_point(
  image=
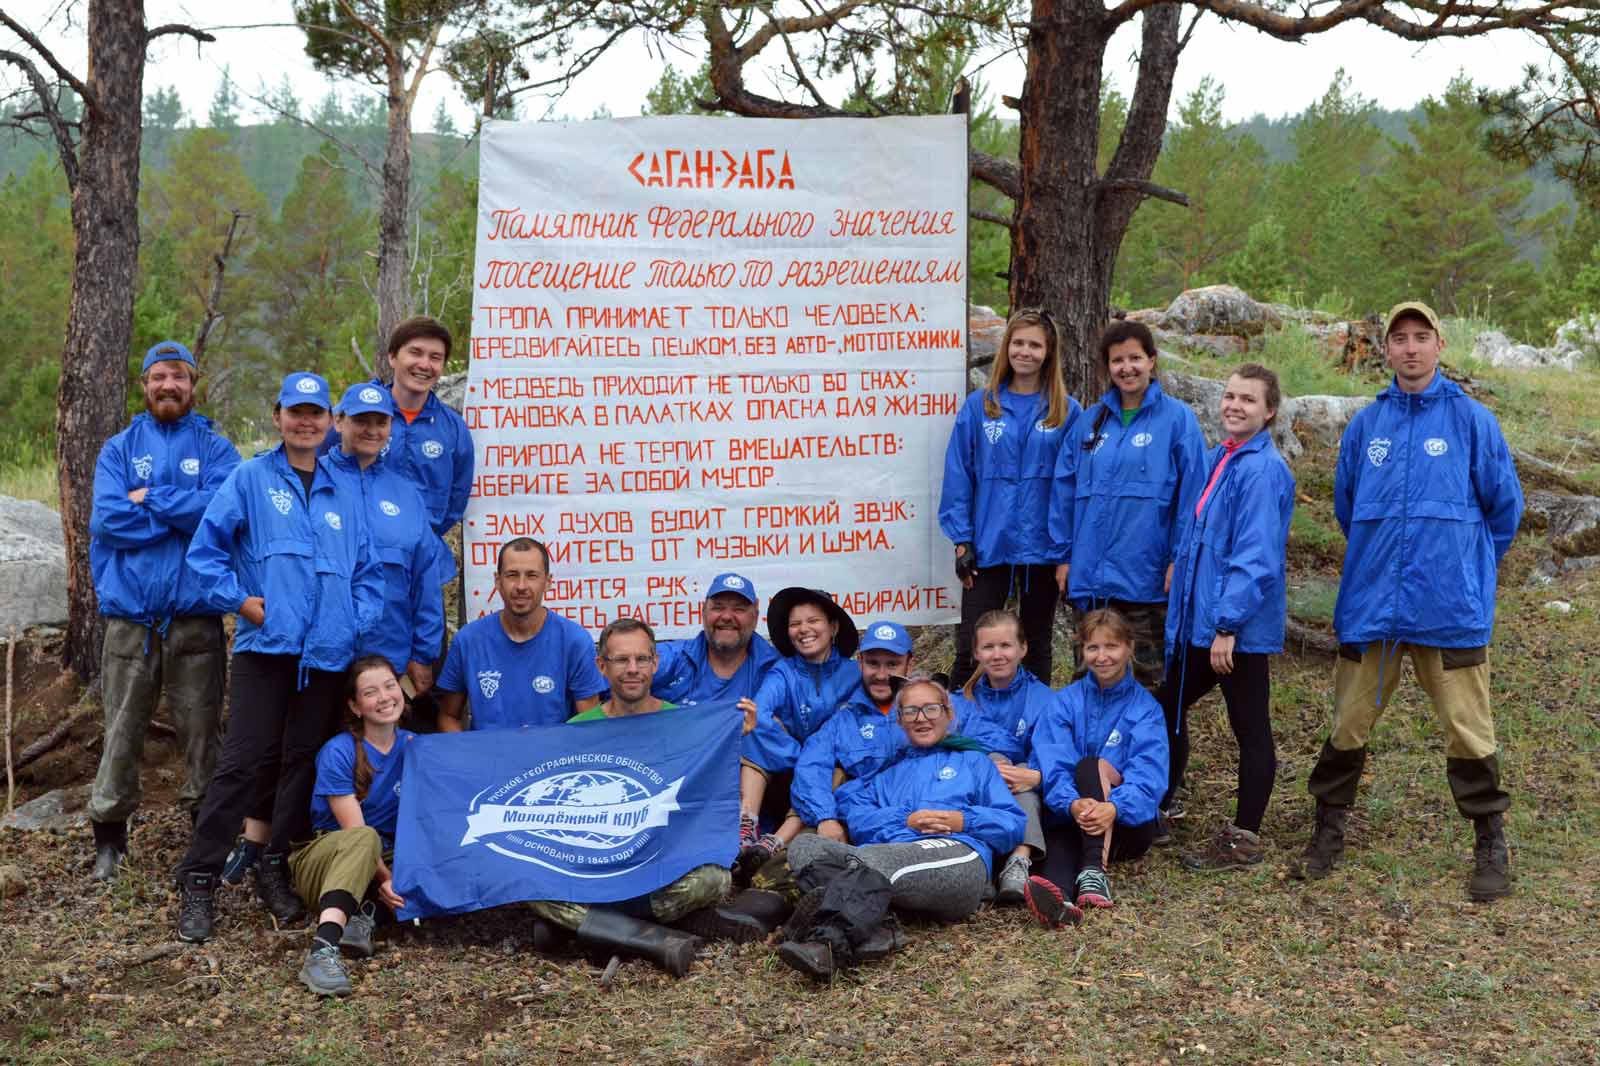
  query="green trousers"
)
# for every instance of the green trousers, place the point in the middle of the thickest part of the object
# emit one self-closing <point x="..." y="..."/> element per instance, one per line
<point x="702" y="886"/>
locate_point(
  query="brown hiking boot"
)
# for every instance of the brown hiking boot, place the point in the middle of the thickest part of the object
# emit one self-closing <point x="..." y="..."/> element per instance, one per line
<point x="1231" y="849"/>
<point x="1491" y="863"/>
<point x="1326" y="847"/>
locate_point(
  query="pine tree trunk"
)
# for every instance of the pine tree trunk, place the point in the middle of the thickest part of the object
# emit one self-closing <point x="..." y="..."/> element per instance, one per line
<point x="394" y="279"/>
<point x="92" y="398"/>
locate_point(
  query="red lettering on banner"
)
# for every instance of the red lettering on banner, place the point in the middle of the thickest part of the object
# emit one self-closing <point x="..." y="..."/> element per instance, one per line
<point x="706" y="168"/>
<point x="687" y="521"/>
<point x="586" y="552"/>
<point x="563" y="589"/>
<point x="543" y="483"/>
<point x="511" y="224"/>
<point x="867" y="512"/>
<point x="553" y="453"/>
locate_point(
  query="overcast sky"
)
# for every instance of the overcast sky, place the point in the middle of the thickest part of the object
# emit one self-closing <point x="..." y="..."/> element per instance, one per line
<point x="1260" y="74"/>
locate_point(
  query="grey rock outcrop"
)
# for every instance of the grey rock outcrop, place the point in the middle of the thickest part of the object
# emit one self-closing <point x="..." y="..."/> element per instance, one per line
<point x="1495" y="348"/>
<point x="33" y="564"/>
<point x="1323" y="418"/>
<point x="1219" y="310"/>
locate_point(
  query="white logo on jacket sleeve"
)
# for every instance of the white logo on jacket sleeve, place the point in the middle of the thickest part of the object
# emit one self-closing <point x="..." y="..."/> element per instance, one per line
<point x="1142" y="440"/>
<point x="281" y="500"/>
<point x="190" y="466"/>
<point x="992" y="430"/>
<point x="867" y="730"/>
<point x="488" y="683"/>
<point x="370" y="395"/>
<point x="947" y="773"/>
<point x="1114" y="739"/>
<point x="333" y="519"/>
<point x="1435" y="446"/>
<point x="432" y="449"/>
<point x="1378" y="450"/>
<point x="388" y="508"/>
<point x="143" y="464"/>
<point x="306" y="385"/>
<point x="543" y="685"/>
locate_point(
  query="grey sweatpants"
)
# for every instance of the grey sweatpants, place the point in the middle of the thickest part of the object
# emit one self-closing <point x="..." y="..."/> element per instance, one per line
<point x="938" y="877"/>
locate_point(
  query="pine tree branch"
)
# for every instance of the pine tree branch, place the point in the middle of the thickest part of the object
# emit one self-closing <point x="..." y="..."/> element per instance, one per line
<point x="1144" y="188"/>
<point x="50" y="113"/>
<point x="171" y="28"/>
<point x="1001" y="174"/>
<point x="990" y="216"/>
<point x="90" y="100"/>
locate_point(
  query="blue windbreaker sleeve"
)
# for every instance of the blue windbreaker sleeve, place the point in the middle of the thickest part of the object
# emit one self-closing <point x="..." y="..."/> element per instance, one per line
<point x="461" y="484"/>
<point x="1144" y="769"/>
<point x="1494" y="479"/>
<point x="1345" y="473"/>
<point x="1056" y="527"/>
<point x="115" y="520"/>
<point x="866" y="811"/>
<point x="995" y="819"/>
<point x="1063" y="488"/>
<point x="772" y="695"/>
<point x="181" y="508"/>
<point x="210" y="556"/>
<point x="1055" y="751"/>
<point x="960" y="478"/>
<point x="1255" y="556"/>
<point x="974" y="725"/>
<point x="812" y="790"/>
<point x="366" y="584"/>
<point x="427" y="622"/>
<point x="1190" y="459"/>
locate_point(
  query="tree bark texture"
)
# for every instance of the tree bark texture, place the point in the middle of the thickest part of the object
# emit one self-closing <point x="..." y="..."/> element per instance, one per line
<point x="394" y="279"/>
<point x="92" y="398"/>
<point x="1069" y="225"/>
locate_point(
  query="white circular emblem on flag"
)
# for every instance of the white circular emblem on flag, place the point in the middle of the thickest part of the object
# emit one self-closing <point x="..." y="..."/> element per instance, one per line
<point x="333" y="519"/>
<point x="190" y="466"/>
<point x="388" y="508"/>
<point x="947" y="773"/>
<point x="884" y="632"/>
<point x="432" y="449"/>
<point x="370" y="395"/>
<point x="543" y="685"/>
<point x="306" y="385"/>
<point x="1435" y="446"/>
<point x="1141" y="440"/>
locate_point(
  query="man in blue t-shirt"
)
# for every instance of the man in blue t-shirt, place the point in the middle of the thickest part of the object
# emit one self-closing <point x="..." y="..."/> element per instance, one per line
<point x="724" y="663"/>
<point x="524" y="665"/>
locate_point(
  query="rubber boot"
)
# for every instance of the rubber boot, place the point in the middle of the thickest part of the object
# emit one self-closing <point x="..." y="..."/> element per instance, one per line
<point x="1326" y="848"/>
<point x="667" y="948"/>
<point x="110" y="849"/>
<point x="771" y="909"/>
<point x="550" y="938"/>
<point x="1491" y="872"/>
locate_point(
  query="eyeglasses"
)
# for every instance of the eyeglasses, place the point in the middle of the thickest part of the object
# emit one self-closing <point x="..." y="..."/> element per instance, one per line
<point x="630" y="660"/>
<point x="930" y="711"/>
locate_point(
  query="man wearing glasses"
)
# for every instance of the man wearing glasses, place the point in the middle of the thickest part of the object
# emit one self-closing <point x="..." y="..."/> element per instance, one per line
<point x="524" y="665"/>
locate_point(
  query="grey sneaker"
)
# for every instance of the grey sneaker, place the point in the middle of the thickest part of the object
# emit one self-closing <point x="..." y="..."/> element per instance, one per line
<point x="1013" y="881"/>
<point x="357" y="939"/>
<point x="1093" y="888"/>
<point x="323" y="971"/>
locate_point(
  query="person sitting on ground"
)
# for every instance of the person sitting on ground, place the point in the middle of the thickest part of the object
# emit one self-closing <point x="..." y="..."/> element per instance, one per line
<point x="926" y="827"/>
<point x="627" y="659"/>
<point x="1102" y="747"/>
<point x="998" y="707"/>
<point x="728" y="660"/>
<point x="354" y="807"/>
<point x="815" y="677"/>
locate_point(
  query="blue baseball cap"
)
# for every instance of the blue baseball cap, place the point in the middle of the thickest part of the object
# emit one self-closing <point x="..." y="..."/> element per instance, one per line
<point x="167" y="350"/>
<point x="305" y="387"/>
<point x="886" y="636"/>
<point x="739" y="586"/>
<point x="364" y="397"/>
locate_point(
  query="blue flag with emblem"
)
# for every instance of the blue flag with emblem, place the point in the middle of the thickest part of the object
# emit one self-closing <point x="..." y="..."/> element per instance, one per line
<point x="591" y="812"/>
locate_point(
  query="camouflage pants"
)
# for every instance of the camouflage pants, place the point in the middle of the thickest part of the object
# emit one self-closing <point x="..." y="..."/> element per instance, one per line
<point x="1149" y="624"/>
<point x="138" y="666"/>
<point x="702" y="886"/>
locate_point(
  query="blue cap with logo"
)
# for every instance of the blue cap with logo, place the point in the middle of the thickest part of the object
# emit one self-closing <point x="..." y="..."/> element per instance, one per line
<point x="364" y="397"/>
<point x="166" y="350"/>
<point x="886" y="636"/>
<point x="305" y="387"/>
<point x="739" y="586"/>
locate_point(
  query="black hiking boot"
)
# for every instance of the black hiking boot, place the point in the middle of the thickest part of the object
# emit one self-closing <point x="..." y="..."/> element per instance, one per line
<point x="274" y="889"/>
<point x="1326" y="847"/>
<point x="814" y="958"/>
<point x="195" y="914"/>
<point x="1491" y="863"/>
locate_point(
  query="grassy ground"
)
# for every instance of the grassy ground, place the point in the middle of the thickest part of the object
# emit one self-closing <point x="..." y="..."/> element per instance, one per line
<point x="1385" y="962"/>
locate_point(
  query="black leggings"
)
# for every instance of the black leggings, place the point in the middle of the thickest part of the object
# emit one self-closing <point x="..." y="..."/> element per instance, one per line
<point x="1034" y="585"/>
<point x="1248" y="694"/>
<point x="1069" y="850"/>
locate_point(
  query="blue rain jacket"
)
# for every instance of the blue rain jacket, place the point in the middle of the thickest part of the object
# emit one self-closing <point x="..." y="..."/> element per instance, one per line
<point x="997" y="475"/>
<point x="1122" y="725"/>
<point x="794" y="699"/>
<point x="412" y="628"/>
<point x="435" y="452"/>
<point x="859" y="739"/>
<point x="937" y="778"/>
<point x="1429" y="500"/>
<point x="136" y="550"/>
<point x="1116" y="508"/>
<point x="1002" y="719"/>
<point x="684" y="675"/>
<point x="1232" y="559"/>
<point x="314" y="565"/>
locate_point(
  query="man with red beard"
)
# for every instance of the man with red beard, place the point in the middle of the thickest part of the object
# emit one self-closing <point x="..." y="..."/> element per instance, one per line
<point x="151" y="485"/>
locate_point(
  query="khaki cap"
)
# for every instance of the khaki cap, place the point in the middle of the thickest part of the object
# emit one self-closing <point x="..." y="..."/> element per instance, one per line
<point x="1413" y="307"/>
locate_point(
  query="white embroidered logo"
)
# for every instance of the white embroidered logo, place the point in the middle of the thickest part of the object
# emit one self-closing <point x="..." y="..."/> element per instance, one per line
<point x="281" y="500"/>
<point x="190" y="466"/>
<point x="1435" y="446"/>
<point x="947" y="773"/>
<point x="1022" y="726"/>
<point x="992" y="430"/>
<point x="143" y="464"/>
<point x="733" y="582"/>
<point x="333" y="519"/>
<point x="1378" y="450"/>
<point x="867" y="731"/>
<point x="370" y="395"/>
<point x="1141" y="440"/>
<point x="1114" y="739"/>
<point x="306" y="385"/>
<point x="388" y="508"/>
<point x="1099" y="442"/>
<point x="1040" y="427"/>
<point x="432" y="449"/>
<point x="884" y="632"/>
<point x="489" y="683"/>
<point x="543" y="685"/>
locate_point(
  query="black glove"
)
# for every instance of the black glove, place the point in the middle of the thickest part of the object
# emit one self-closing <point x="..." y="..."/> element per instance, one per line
<point x="966" y="562"/>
